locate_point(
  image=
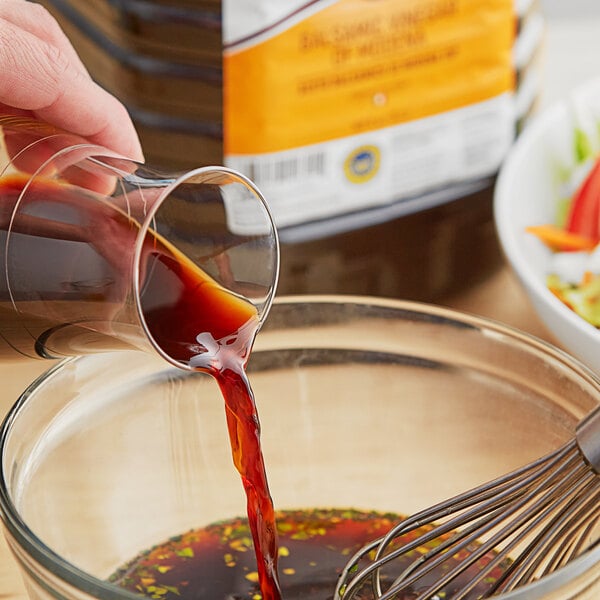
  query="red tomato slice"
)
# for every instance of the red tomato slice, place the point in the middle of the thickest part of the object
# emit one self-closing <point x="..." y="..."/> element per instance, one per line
<point x="584" y="213"/>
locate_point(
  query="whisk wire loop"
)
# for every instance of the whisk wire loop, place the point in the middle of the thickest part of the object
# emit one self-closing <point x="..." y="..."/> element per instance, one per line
<point x="498" y="490"/>
<point x="520" y="527"/>
<point x="485" y="499"/>
<point x="541" y="524"/>
<point x="499" y="536"/>
<point x="560" y="540"/>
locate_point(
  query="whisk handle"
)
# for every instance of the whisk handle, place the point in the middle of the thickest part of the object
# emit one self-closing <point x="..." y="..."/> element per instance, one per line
<point x="588" y="439"/>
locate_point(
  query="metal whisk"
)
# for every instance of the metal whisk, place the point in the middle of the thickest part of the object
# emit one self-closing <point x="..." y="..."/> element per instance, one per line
<point x="492" y="539"/>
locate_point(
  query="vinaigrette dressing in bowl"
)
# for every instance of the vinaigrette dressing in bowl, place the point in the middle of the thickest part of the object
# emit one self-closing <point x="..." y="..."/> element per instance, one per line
<point x="368" y="408"/>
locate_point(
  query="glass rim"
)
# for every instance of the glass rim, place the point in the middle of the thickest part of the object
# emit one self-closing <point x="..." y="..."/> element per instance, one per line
<point x="99" y="588"/>
<point x="146" y="225"/>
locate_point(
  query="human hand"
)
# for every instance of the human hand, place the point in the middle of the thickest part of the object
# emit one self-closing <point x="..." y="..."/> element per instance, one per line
<point x="42" y="76"/>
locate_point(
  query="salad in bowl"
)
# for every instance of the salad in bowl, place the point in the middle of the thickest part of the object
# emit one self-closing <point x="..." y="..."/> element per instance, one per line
<point x="547" y="214"/>
<point x="574" y="237"/>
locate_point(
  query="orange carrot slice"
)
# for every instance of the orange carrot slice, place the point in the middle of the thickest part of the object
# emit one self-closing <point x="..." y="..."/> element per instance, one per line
<point x="560" y="240"/>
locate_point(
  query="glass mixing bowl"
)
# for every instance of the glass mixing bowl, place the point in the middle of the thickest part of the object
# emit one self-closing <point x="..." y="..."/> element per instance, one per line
<point x="364" y="403"/>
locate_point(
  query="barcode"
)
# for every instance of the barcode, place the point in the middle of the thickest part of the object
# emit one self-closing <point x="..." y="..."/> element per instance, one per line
<point x="285" y="169"/>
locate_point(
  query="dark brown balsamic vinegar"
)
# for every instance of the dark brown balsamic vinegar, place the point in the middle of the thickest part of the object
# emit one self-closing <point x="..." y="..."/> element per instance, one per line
<point x="197" y="319"/>
<point x="217" y="562"/>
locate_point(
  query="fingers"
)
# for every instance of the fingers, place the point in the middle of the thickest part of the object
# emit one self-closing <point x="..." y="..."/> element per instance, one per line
<point x="35" y="19"/>
<point x="40" y="74"/>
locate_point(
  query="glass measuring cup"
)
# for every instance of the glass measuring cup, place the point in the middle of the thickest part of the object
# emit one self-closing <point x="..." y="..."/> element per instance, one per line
<point x="99" y="252"/>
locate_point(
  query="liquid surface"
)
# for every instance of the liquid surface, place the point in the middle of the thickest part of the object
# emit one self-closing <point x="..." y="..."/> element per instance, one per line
<point x="217" y="562"/>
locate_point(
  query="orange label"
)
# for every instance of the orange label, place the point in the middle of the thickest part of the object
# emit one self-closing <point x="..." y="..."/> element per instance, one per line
<point x="361" y="65"/>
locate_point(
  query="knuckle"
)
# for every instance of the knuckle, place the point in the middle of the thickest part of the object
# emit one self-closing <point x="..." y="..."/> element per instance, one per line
<point x="53" y="70"/>
<point x="41" y="14"/>
<point x="54" y="62"/>
<point x="47" y="25"/>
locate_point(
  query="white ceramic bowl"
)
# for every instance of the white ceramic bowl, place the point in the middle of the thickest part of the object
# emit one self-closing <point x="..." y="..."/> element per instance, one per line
<point x="527" y="193"/>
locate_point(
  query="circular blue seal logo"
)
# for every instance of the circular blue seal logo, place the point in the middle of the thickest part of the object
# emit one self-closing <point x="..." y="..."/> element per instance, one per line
<point x="362" y="164"/>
